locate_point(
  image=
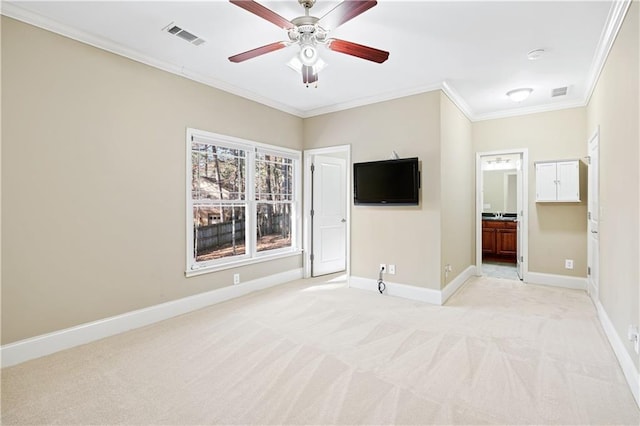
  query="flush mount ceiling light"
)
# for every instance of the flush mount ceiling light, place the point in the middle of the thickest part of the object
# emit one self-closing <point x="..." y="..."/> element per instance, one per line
<point x="519" y="95"/>
<point x="535" y="54"/>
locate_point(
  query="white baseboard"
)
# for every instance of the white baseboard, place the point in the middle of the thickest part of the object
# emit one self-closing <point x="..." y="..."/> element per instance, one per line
<point x="565" y="281"/>
<point x="455" y="284"/>
<point x="628" y="367"/>
<point x="428" y="295"/>
<point x="35" y="347"/>
<point x="398" y="290"/>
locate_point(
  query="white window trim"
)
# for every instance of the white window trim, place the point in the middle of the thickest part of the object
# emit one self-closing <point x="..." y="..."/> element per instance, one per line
<point x="251" y="256"/>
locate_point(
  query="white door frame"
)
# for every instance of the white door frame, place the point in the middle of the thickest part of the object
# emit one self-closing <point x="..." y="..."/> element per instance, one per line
<point x="523" y="216"/>
<point x="593" y="202"/>
<point x="307" y="231"/>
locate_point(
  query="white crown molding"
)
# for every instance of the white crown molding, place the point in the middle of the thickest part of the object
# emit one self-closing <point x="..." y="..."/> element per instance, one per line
<point x="458" y="100"/>
<point x="528" y="110"/>
<point x="396" y="94"/>
<point x="16" y="12"/>
<point x="46" y="344"/>
<point x="607" y="38"/>
<point x="446" y="87"/>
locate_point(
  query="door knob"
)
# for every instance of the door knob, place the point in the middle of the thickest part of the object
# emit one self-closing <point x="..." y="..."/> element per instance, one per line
<point x="593" y="231"/>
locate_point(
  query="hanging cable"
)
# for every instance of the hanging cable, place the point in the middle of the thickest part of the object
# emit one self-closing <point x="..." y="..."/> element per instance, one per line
<point x="381" y="285"/>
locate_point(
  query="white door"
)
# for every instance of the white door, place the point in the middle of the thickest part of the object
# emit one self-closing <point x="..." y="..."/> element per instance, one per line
<point x="593" y="217"/>
<point x="329" y="215"/>
<point x="520" y="217"/>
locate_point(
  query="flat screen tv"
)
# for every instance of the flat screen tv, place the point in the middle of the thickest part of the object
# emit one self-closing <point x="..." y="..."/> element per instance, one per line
<point x="387" y="182"/>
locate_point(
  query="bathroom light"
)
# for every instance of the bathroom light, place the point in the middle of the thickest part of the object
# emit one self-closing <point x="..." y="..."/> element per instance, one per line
<point x="519" y="95"/>
<point x="499" y="164"/>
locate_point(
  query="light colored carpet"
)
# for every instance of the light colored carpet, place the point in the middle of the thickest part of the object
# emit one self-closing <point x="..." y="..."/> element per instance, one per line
<point x="312" y="352"/>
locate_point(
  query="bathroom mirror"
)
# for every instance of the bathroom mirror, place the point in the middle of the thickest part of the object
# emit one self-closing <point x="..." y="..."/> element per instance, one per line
<point x="499" y="188"/>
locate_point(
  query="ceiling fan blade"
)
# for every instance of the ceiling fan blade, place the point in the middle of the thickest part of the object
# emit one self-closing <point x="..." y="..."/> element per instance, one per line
<point x="264" y="13"/>
<point x="344" y="12"/>
<point x="355" y="49"/>
<point x="308" y="76"/>
<point x="240" y="57"/>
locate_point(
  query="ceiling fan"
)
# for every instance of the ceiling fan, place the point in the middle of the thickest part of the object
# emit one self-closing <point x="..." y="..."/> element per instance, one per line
<point x="308" y="32"/>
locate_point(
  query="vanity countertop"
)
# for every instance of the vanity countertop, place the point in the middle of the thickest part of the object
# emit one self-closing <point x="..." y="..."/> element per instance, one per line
<point x="499" y="219"/>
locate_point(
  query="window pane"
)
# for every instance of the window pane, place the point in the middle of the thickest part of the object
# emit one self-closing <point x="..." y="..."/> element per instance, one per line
<point x="273" y="226"/>
<point x="218" y="173"/>
<point x="274" y="178"/>
<point x="219" y="231"/>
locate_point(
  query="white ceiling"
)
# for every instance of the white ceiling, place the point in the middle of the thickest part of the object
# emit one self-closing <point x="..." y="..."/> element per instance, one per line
<point x="475" y="51"/>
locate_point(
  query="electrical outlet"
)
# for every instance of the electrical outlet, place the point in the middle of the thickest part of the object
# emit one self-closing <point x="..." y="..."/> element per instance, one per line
<point x="236" y="278"/>
<point x="383" y="267"/>
<point x="392" y="269"/>
<point x="568" y="264"/>
<point x="448" y="268"/>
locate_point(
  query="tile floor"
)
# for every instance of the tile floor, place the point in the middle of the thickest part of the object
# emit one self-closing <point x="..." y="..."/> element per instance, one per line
<point x="500" y="270"/>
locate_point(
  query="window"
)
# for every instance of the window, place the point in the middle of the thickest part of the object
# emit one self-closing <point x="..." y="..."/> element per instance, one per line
<point x="242" y="202"/>
<point x="274" y="201"/>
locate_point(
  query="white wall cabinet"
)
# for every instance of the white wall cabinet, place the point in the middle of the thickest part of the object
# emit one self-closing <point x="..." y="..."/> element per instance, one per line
<point x="558" y="181"/>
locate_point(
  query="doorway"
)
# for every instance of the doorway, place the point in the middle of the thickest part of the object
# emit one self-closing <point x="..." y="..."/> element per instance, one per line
<point x="326" y="241"/>
<point x="501" y="213"/>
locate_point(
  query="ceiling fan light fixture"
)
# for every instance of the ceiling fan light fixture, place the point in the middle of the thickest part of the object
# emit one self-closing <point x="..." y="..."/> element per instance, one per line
<point x="519" y="95"/>
<point x="296" y="64"/>
<point x="308" y="54"/>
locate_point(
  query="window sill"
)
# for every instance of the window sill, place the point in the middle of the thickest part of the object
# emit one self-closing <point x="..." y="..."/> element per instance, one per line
<point x="236" y="264"/>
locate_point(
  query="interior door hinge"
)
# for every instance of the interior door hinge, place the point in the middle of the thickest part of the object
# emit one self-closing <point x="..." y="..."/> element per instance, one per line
<point x="311" y="257"/>
<point x="589" y="215"/>
<point x="312" y="212"/>
<point x="313" y="167"/>
<point x="589" y="270"/>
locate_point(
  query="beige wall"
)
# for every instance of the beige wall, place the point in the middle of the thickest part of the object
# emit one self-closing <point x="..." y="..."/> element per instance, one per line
<point x="457" y="191"/>
<point x="408" y="237"/>
<point x="557" y="231"/>
<point x="614" y="107"/>
<point x="93" y="180"/>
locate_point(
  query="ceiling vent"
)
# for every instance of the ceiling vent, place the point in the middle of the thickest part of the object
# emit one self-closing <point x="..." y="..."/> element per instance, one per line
<point x="559" y="91"/>
<point x="184" y="34"/>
